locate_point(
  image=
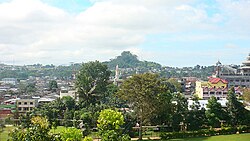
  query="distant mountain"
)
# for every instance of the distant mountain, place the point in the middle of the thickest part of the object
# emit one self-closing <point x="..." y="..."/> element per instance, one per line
<point x="129" y="60"/>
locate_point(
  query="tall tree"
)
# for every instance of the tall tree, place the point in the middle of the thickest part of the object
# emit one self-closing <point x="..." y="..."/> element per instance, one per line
<point x="164" y="110"/>
<point x="91" y="82"/>
<point x="196" y="115"/>
<point x="215" y="113"/>
<point x="237" y="113"/>
<point x="141" y="92"/>
<point x="180" y="110"/>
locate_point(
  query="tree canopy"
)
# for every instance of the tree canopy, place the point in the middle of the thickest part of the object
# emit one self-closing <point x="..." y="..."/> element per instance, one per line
<point x="92" y="81"/>
<point x="141" y="91"/>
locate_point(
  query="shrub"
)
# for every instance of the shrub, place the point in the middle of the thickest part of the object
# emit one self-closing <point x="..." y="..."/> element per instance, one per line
<point x="71" y="134"/>
<point x="204" y="132"/>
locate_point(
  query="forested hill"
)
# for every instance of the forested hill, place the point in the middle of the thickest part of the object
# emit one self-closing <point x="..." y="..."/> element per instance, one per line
<point x="129" y="60"/>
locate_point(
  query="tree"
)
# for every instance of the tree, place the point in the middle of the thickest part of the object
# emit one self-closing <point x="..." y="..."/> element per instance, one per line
<point x="68" y="102"/>
<point x="91" y="82"/>
<point x="196" y="116"/>
<point x="31" y="88"/>
<point x="141" y="92"/>
<point x="53" y="85"/>
<point x="237" y="113"/>
<point x="215" y="113"/>
<point x="125" y="60"/>
<point x="109" y="125"/>
<point x="177" y="86"/>
<point x="38" y="131"/>
<point x="164" y="110"/>
<point x="246" y="95"/>
<point x="180" y="110"/>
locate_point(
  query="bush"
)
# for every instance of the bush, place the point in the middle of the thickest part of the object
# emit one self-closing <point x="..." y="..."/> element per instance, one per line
<point x="71" y="134"/>
<point x="204" y="132"/>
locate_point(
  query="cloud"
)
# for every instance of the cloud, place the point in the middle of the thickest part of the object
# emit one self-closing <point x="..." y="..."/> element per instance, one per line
<point x="35" y="32"/>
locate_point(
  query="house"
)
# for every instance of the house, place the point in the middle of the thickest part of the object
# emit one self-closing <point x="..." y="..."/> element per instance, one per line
<point x="26" y="105"/>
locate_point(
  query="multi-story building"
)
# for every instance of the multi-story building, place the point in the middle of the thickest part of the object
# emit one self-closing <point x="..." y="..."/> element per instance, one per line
<point x="236" y="77"/>
<point x="26" y="105"/>
<point x="216" y="87"/>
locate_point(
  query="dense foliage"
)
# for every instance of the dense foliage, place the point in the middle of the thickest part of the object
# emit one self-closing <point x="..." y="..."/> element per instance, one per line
<point x="92" y="81"/>
<point x="109" y="126"/>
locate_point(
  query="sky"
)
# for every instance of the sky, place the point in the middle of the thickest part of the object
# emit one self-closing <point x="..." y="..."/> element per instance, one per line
<point x="174" y="33"/>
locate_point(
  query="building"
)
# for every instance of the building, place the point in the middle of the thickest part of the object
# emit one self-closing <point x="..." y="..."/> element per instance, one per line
<point x="66" y="92"/>
<point x="188" y="85"/>
<point x="212" y="87"/>
<point x="216" y="87"/>
<point x="12" y="81"/>
<point x="26" y="105"/>
<point x="203" y="103"/>
<point x="5" y="113"/>
<point x="236" y="76"/>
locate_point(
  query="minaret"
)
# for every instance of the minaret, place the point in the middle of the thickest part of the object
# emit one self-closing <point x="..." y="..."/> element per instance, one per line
<point x="116" y="74"/>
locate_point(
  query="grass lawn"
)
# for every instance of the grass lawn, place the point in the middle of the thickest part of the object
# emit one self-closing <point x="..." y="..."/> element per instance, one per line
<point x="59" y="129"/>
<point x="235" y="137"/>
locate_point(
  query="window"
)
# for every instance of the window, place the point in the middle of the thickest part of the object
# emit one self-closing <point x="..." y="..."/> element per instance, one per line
<point x="211" y="92"/>
<point x="19" y="103"/>
<point x="247" y="80"/>
<point x="205" y="92"/>
<point x="218" y="92"/>
<point x="31" y="108"/>
<point x="25" y="103"/>
<point x="31" y="103"/>
<point x="19" y="108"/>
<point x="25" y="108"/>
<point x="225" y="93"/>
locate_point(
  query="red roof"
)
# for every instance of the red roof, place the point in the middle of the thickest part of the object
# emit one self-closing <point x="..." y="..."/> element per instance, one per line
<point x="5" y="112"/>
<point x="216" y="80"/>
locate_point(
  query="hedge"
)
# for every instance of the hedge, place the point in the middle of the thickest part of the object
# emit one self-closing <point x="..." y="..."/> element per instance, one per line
<point x="205" y="132"/>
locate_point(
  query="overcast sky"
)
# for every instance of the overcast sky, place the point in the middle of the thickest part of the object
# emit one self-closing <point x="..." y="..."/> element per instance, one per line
<point x="170" y="32"/>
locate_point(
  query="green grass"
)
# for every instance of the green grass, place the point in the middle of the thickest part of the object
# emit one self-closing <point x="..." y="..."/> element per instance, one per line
<point x="235" y="137"/>
<point x="59" y="129"/>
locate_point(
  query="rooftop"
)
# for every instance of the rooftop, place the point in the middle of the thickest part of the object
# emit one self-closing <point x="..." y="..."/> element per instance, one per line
<point x="216" y="80"/>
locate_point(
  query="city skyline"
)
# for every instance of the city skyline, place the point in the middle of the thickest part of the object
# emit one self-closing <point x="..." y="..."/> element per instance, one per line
<point x="173" y="33"/>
